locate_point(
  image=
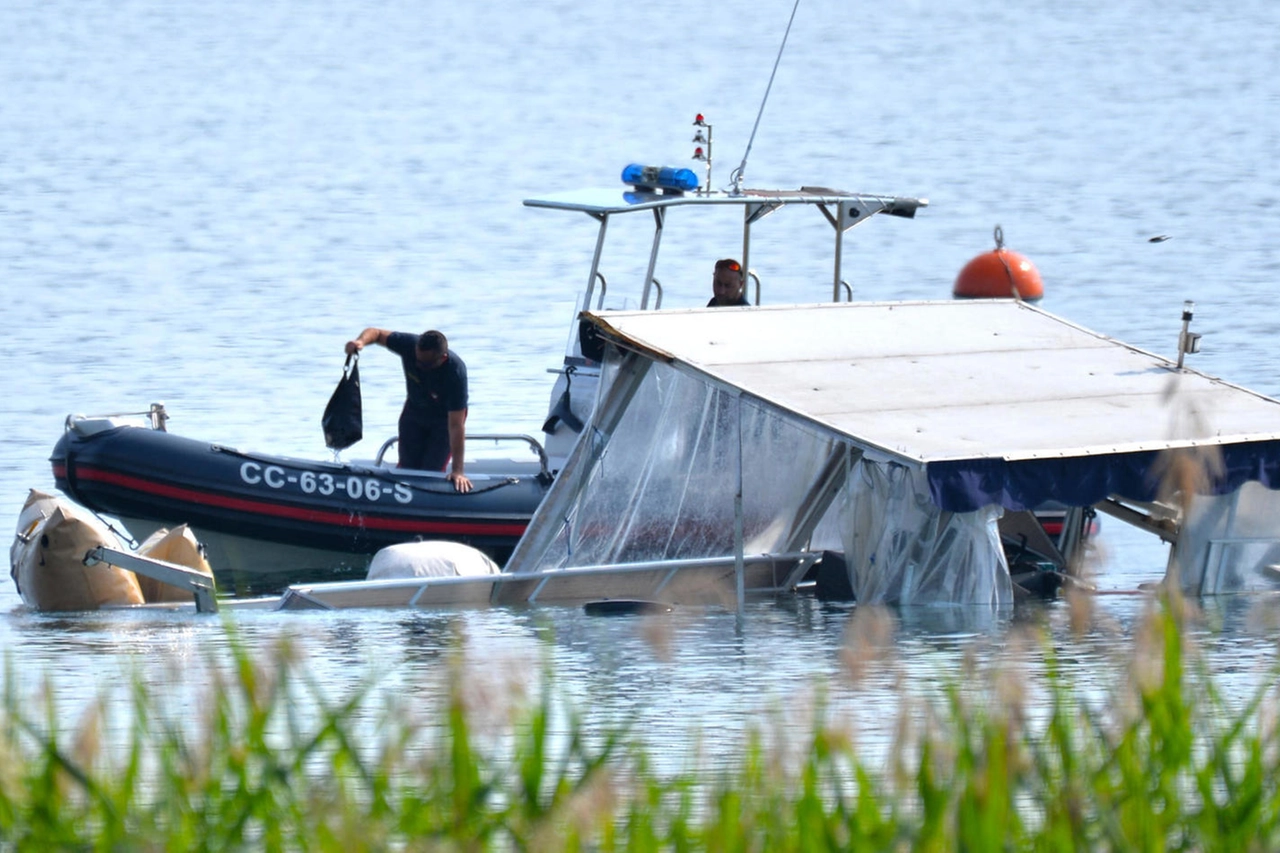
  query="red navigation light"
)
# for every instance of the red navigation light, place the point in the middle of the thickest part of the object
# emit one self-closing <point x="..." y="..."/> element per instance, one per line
<point x="699" y="120"/>
<point x="698" y="155"/>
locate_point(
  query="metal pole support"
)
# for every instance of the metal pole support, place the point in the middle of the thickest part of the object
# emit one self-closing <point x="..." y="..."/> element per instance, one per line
<point x="200" y="585"/>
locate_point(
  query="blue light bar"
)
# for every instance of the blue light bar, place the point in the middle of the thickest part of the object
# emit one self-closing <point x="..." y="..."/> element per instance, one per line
<point x="660" y="178"/>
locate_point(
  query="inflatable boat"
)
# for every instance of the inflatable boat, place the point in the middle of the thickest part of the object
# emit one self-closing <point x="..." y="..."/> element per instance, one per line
<point x="267" y="520"/>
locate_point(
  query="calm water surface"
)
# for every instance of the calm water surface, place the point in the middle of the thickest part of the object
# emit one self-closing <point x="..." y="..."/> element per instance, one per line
<point x="200" y="204"/>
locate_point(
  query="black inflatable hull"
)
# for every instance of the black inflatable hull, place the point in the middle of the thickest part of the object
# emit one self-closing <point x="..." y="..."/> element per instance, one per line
<point x="138" y="473"/>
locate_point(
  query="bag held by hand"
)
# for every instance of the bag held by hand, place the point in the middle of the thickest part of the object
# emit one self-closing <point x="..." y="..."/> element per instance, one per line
<point x="343" y="420"/>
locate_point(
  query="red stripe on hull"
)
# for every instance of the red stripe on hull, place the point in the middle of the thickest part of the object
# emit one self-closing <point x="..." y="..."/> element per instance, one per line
<point x="318" y="516"/>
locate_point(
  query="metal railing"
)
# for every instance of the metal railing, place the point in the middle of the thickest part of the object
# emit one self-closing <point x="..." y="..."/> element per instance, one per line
<point x="604" y="288"/>
<point x="527" y="439"/>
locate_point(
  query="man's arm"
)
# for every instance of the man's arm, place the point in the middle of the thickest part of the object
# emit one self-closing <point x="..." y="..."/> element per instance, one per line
<point x="457" y="448"/>
<point x="368" y="336"/>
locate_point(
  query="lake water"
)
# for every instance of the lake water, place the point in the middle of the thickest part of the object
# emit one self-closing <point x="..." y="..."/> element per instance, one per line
<point x="200" y="203"/>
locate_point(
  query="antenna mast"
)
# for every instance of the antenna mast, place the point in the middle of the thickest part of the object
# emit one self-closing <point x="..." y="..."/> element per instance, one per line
<point x="737" y="174"/>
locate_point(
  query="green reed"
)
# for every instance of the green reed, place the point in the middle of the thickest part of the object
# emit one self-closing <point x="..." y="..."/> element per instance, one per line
<point x="268" y="761"/>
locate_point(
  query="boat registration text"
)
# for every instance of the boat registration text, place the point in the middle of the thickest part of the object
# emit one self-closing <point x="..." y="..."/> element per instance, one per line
<point x="324" y="484"/>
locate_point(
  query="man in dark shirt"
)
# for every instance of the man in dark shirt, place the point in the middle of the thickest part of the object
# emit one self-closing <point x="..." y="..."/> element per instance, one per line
<point x="728" y="284"/>
<point x="433" y="422"/>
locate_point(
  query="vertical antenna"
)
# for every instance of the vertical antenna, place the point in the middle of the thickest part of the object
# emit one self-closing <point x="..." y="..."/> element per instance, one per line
<point x="737" y="174"/>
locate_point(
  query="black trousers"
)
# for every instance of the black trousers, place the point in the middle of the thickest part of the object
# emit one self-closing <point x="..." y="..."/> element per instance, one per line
<point x="424" y="442"/>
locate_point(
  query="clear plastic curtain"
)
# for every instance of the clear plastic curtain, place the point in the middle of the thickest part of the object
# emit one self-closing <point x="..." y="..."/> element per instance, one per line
<point x="664" y="486"/>
<point x="902" y="549"/>
<point x="658" y="483"/>
<point x="1227" y="543"/>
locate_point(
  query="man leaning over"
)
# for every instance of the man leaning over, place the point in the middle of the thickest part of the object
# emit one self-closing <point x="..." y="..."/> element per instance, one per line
<point x="433" y="421"/>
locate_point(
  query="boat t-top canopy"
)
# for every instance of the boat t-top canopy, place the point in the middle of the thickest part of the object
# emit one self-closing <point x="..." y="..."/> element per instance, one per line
<point x="601" y="201"/>
<point x="998" y="401"/>
<point x="843" y="210"/>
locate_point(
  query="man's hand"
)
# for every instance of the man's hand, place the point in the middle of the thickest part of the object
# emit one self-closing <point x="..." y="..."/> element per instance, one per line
<point x="460" y="481"/>
<point x="371" y="335"/>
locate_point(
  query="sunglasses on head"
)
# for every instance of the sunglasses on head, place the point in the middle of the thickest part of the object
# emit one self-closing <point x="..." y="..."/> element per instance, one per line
<point x="734" y="266"/>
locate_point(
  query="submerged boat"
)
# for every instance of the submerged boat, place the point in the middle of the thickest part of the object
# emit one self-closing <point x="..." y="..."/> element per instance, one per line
<point x="713" y="474"/>
<point x="725" y="477"/>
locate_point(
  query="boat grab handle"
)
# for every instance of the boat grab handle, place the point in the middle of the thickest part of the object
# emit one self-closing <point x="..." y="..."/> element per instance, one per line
<point x="751" y="274"/>
<point x="604" y="288"/>
<point x="528" y="439"/>
<point x="533" y="443"/>
<point x="847" y="290"/>
<point x="382" y="451"/>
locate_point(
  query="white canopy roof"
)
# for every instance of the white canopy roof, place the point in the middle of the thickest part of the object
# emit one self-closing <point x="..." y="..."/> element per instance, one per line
<point x="939" y="382"/>
<point x="930" y="381"/>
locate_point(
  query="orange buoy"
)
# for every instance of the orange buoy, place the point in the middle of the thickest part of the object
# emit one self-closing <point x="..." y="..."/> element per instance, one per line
<point x="999" y="274"/>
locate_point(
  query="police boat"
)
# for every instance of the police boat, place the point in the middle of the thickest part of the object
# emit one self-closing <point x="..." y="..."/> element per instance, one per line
<point x="267" y="521"/>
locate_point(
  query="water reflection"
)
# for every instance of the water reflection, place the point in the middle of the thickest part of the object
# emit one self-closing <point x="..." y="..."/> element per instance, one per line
<point x="697" y="675"/>
<point x="427" y="637"/>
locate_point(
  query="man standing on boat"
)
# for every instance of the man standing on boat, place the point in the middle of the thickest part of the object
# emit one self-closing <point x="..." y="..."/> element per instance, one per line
<point x="728" y="283"/>
<point x="433" y="423"/>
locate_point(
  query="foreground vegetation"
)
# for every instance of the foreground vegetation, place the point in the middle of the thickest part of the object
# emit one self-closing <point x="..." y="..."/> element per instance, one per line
<point x="1154" y="761"/>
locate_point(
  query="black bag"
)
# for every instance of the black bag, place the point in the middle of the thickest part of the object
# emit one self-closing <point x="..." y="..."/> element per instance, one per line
<point x="343" y="420"/>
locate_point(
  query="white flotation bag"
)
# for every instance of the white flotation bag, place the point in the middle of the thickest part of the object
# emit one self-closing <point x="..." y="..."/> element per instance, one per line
<point x="180" y="547"/>
<point x="430" y="560"/>
<point x="46" y="560"/>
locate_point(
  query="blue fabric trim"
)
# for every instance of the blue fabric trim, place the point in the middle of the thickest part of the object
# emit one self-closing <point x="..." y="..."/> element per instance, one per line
<point x="969" y="484"/>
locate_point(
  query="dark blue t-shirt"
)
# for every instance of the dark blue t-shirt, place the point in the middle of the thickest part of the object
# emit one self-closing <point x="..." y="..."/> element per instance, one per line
<point x="429" y="394"/>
